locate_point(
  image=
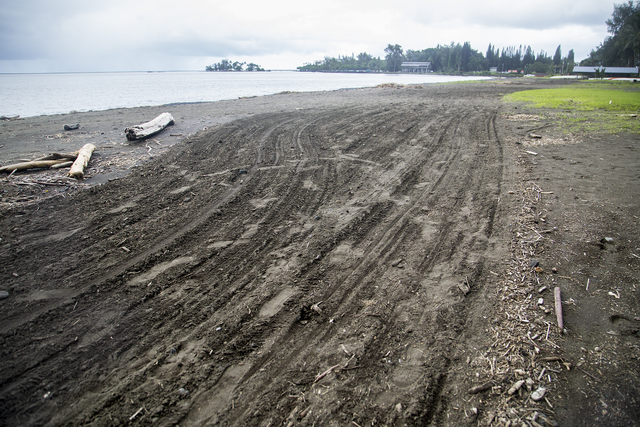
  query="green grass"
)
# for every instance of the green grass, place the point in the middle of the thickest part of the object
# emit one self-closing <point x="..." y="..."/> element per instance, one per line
<point x="592" y="106"/>
<point x="580" y="98"/>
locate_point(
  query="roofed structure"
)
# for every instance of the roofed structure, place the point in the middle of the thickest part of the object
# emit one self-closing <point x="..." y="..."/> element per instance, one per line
<point x="416" y="67"/>
<point x="608" y="71"/>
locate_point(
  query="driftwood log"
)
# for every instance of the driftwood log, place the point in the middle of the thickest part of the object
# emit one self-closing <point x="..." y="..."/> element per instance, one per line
<point x="84" y="154"/>
<point x="34" y="164"/>
<point x="145" y="130"/>
<point x="53" y="160"/>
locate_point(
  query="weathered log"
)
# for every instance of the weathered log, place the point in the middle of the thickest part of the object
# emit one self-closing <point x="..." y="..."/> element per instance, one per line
<point x="35" y="164"/>
<point x="84" y="154"/>
<point x="145" y="130"/>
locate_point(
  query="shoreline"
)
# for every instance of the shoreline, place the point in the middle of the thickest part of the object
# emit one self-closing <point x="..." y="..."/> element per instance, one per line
<point x="104" y="91"/>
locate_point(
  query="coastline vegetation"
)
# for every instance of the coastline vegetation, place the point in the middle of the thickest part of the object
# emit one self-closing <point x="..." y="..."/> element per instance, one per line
<point x="451" y="59"/>
<point x="622" y="48"/>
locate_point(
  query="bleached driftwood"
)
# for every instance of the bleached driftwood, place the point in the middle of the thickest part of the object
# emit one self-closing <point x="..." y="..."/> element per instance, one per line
<point x="145" y="130"/>
<point x="77" y="169"/>
<point x="35" y="164"/>
<point x="53" y="161"/>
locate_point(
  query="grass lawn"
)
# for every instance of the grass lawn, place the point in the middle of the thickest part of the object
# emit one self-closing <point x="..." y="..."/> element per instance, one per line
<point x="593" y="106"/>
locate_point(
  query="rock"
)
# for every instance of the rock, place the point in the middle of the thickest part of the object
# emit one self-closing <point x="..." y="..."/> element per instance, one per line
<point x="4" y="294"/>
<point x="538" y="394"/>
<point x="72" y="127"/>
<point x="183" y="391"/>
<point x="533" y="263"/>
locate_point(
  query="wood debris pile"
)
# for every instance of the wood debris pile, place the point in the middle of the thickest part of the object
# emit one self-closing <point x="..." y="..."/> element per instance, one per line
<point x="519" y="372"/>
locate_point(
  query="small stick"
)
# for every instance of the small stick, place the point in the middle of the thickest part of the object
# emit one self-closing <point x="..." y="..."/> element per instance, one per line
<point x="558" y="301"/>
<point x="325" y="373"/>
<point x="587" y="373"/>
<point x="588" y="283"/>
<point x="136" y="414"/>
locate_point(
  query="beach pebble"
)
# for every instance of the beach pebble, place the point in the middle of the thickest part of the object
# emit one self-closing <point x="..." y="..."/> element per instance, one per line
<point x="538" y="394"/>
<point x="533" y="263"/>
<point x="183" y="391"/>
<point x="4" y="294"/>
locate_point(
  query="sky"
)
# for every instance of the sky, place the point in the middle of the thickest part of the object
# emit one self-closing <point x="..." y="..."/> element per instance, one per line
<point x="158" y="35"/>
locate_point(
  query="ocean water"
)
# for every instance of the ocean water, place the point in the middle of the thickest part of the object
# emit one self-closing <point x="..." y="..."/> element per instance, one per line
<point x="37" y="94"/>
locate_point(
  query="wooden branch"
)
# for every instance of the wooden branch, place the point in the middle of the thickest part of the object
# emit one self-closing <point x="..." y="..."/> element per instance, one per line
<point x="145" y="130"/>
<point x="558" y="301"/>
<point x="31" y="165"/>
<point x="58" y="156"/>
<point x="62" y="165"/>
<point x="77" y="169"/>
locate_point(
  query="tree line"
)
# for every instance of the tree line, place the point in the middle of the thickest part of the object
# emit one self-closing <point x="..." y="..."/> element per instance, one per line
<point x="621" y="48"/>
<point x="452" y="58"/>
<point x="227" y="65"/>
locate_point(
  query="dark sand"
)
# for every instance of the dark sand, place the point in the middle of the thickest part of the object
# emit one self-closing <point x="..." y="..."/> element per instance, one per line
<point x="360" y="257"/>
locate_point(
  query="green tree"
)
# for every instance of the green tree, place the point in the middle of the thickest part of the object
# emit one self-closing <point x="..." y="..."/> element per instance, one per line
<point x="394" y="57"/>
<point x="465" y="56"/>
<point x="557" y="57"/>
<point x="570" y="62"/>
<point x="622" y="47"/>
<point x="528" y="58"/>
<point x="629" y="34"/>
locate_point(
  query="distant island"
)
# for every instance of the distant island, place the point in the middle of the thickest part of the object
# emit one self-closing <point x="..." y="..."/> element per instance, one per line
<point x="227" y="65"/>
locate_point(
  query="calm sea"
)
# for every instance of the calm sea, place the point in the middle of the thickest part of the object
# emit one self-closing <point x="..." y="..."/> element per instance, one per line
<point x="36" y="94"/>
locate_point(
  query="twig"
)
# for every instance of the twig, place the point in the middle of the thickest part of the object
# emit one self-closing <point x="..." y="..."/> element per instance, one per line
<point x="136" y="414"/>
<point x="587" y="373"/>
<point x="558" y="301"/>
<point x="325" y="373"/>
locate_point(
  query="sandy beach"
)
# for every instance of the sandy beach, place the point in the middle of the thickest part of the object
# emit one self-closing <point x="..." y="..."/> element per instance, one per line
<point x="380" y="256"/>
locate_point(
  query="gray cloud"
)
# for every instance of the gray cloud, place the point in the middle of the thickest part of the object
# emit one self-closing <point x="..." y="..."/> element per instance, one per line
<point x="120" y="35"/>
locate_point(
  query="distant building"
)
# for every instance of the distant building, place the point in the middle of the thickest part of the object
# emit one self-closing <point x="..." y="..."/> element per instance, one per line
<point x="416" y="67"/>
<point x="590" y="71"/>
<point x="493" y="69"/>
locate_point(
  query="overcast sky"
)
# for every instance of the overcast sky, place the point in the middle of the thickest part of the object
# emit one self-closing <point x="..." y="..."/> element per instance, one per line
<point x="143" y="35"/>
